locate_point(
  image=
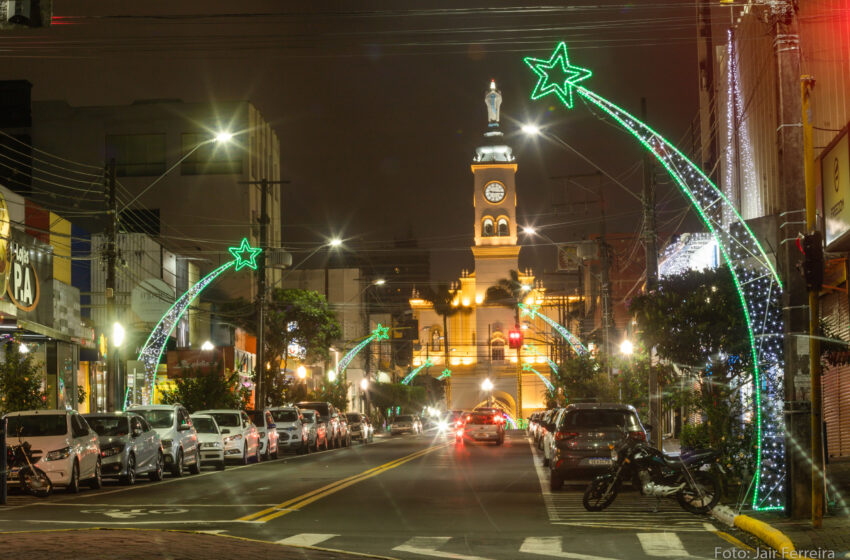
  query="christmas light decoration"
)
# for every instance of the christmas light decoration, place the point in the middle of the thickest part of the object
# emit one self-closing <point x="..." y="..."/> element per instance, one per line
<point x="445" y="373"/>
<point x="758" y="284"/>
<point x="412" y="374"/>
<point x="549" y="386"/>
<point x="573" y="341"/>
<point x="380" y="333"/>
<point x="151" y="352"/>
<point x="532" y="350"/>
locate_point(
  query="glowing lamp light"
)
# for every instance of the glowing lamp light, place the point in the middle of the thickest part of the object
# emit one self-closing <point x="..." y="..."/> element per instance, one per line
<point x="626" y="347"/>
<point x="117" y="334"/>
<point x="487" y="385"/>
<point x="526" y="288"/>
<point x="364" y="383"/>
<point x="380" y="282"/>
<point x="223" y="137"/>
<point x="23" y="348"/>
<point x="301" y="372"/>
<point x="331" y="375"/>
<point x="207" y="346"/>
<point x="335" y="242"/>
<point x="528" y="230"/>
<point x="530" y="129"/>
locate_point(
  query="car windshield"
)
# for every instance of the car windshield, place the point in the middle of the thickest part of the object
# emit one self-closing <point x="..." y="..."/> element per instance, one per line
<point x="109" y="425"/>
<point x="353" y="418"/>
<point x="601" y="419"/>
<point x="256" y="416"/>
<point x="158" y="418"/>
<point x="227" y="419"/>
<point x="36" y="425"/>
<point x="321" y="408"/>
<point x="204" y="425"/>
<point x="309" y="416"/>
<point x="404" y="419"/>
<point x="285" y="415"/>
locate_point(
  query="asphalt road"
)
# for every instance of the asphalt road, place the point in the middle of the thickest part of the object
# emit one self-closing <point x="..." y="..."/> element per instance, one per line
<point x="400" y="497"/>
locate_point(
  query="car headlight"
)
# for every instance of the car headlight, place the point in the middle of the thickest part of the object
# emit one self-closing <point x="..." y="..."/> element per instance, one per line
<point x="212" y="444"/>
<point x="59" y="454"/>
<point x="236" y="437"/>
<point x="166" y="444"/>
<point x="112" y="450"/>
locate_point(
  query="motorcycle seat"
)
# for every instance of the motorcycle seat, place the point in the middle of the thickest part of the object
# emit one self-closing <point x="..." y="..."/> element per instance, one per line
<point x="698" y="456"/>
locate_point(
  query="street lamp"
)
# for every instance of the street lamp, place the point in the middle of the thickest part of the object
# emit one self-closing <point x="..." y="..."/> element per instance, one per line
<point x="23" y="348"/>
<point x="207" y="346"/>
<point x="364" y="384"/>
<point x="301" y="372"/>
<point x="335" y="242"/>
<point x="118" y="335"/>
<point x="487" y="385"/>
<point x="626" y="347"/>
<point x="331" y="375"/>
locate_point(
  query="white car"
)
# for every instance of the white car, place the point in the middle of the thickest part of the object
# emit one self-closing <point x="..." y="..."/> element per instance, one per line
<point x="241" y="437"/>
<point x="549" y="438"/>
<point x="211" y="440"/>
<point x="63" y="446"/>
<point x="405" y="424"/>
<point x="269" y="438"/>
<point x="294" y="431"/>
<point x="176" y="433"/>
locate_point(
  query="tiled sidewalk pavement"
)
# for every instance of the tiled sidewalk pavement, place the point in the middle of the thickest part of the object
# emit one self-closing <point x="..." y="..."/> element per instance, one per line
<point x="123" y="544"/>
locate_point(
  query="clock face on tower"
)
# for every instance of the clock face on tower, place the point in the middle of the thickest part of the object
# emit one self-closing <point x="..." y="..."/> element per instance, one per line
<point x="494" y="192"/>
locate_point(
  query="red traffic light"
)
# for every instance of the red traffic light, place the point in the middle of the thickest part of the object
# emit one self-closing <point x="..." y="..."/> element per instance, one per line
<point x="515" y="337"/>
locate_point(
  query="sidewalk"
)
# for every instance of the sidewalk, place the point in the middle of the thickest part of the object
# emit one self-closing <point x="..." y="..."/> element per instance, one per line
<point x="143" y="544"/>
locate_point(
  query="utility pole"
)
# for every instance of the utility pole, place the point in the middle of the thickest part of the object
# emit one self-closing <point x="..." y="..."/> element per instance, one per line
<point x="651" y="252"/>
<point x="113" y="384"/>
<point x="818" y="466"/>
<point x="708" y="107"/>
<point x="260" y="386"/>
<point x="606" y="285"/>
<point x="789" y="143"/>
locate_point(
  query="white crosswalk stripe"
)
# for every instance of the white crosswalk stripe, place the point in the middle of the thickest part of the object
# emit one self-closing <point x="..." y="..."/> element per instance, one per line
<point x="427" y="546"/>
<point x="552" y="546"/>
<point x="666" y="545"/>
<point x="306" y="539"/>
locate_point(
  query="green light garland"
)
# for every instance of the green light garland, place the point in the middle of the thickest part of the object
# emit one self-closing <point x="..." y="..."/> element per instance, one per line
<point x="759" y="286"/>
<point x="415" y="372"/>
<point x="444" y="374"/>
<point x="527" y="367"/>
<point x="573" y="341"/>
<point x="380" y="333"/>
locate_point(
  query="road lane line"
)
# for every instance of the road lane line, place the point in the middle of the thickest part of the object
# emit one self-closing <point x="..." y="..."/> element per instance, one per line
<point x="427" y="546"/>
<point x="306" y="539"/>
<point x="551" y="546"/>
<point x="730" y="539"/>
<point x="309" y="497"/>
<point x="307" y="500"/>
<point x="316" y="491"/>
<point x="667" y="545"/>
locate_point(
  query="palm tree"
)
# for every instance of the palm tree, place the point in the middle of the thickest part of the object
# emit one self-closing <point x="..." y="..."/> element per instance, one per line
<point x="441" y="299"/>
<point x="508" y="292"/>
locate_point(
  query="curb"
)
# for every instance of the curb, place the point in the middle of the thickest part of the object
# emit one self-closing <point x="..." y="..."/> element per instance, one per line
<point x="769" y="535"/>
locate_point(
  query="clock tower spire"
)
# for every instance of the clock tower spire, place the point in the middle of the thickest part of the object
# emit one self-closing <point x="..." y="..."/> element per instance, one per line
<point x="494" y="168"/>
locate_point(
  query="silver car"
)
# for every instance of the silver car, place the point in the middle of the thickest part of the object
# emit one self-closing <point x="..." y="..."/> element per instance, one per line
<point x="128" y="446"/>
<point x="295" y="433"/>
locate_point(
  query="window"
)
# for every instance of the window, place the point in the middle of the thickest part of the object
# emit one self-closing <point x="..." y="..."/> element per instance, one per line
<point x="77" y="428"/>
<point x="136" y="425"/>
<point x="503" y="227"/>
<point x="209" y="159"/>
<point x="137" y="155"/>
<point x="488" y="230"/>
<point x="497" y="350"/>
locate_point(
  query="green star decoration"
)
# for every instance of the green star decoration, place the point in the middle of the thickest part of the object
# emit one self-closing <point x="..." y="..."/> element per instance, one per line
<point x="428" y="363"/>
<point x="556" y="75"/>
<point x="527" y="367"/>
<point x="529" y="309"/>
<point x="381" y="333"/>
<point x="445" y="373"/>
<point x="241" y="259"/>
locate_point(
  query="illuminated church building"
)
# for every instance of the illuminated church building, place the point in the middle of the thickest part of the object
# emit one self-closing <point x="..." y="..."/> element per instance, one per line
<point x="478" y="330"/>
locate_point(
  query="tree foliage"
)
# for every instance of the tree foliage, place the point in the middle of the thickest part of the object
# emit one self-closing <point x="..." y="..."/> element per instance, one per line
<point x="21" y="382"/>
<point x="202" y="390"/>
<point x="507" y="292"/>
<point x="411" y="398"/>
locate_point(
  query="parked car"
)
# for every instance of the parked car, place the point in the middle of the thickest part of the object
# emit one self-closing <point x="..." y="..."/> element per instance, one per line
<point x="210" y="439"/>
<point x="294" y="433"/>
<point x="544" y="425"/>
<point x="317" y="430"/>
<point x="533" y="424"/>
<point x="481" y="426"/>
<point x="128" y="446"/>
<point x="62" y="445"/>
<point x="269" y="437"/>
<point x="241" y="437"/>
<point x="329" y="416"/>
<point x="344" y="431"/>
<point x="548" y="442"/>
<point x="176" y="434"/>
<point x="582" y="436"/>
<point x="404" y="424"/>
<point x="360" y="427"/>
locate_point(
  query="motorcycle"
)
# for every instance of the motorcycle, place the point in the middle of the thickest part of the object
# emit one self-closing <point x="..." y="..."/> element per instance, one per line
<point x="655" y="474"/>
<point x="19" y="464"/>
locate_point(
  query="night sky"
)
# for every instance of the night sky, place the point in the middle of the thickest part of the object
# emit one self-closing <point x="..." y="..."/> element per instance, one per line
<point x="379" y="105"/>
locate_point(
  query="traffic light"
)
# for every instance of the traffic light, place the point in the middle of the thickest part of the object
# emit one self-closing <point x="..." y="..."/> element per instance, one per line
<point x="515" y="337"/>
<point x="811" y="245"/>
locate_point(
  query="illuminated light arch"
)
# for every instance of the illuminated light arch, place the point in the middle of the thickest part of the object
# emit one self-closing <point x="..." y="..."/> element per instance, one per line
<point x="380" y="333"/>
<point x="415" y="372"/>
<point x="151" y="353"/>
<point x="573" y="341"/>
<point x="758" y="284"/>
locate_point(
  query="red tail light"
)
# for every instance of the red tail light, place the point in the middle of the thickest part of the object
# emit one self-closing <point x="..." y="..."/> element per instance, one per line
<point x="565" y="435"/>
<point x="638" y="435"/>
<point x="459" y="423"/>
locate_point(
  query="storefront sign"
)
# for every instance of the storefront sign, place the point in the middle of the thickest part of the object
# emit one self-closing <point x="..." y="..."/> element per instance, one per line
<point x="5" y="231"/>
<point x="22" y="282"/>
<point x="835" y="181"/>
<point x="189" y="362"/>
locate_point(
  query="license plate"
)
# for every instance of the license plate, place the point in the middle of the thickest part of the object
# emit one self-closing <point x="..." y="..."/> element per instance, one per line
<point x="599" y="461"/>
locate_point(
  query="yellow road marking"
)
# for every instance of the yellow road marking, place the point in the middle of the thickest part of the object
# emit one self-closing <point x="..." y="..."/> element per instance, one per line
<point x="729" y="538"/>
<point x="293" y="504"/>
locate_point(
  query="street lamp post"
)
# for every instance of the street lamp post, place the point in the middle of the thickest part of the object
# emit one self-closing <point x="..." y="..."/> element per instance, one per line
<point x="487" y="386"/>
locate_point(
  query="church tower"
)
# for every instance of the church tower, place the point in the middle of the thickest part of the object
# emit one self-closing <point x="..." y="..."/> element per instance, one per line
<point x="494" y="167"/>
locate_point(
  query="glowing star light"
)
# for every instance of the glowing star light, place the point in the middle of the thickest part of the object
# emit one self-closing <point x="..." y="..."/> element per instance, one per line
<point x="245" y="255"/>
<point x="556" y="75"/>
<point x="381" y="333"/>
<point x="445" y="373"/>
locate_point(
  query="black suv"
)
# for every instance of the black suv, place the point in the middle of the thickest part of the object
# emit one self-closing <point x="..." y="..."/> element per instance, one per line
<point x="582" y="436"/>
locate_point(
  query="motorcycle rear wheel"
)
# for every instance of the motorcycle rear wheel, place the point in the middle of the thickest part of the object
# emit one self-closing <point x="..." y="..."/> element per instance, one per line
<point x="595" y="499"/>
<point x="691" y="501"/>
<point x="36" y="482"/>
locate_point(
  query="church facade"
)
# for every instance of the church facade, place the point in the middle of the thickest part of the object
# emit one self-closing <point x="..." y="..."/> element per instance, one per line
<point x="473" y="345"/>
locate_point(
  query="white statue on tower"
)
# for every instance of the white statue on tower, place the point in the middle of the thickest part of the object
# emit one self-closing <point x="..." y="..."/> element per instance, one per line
<point x="493" y="100"/>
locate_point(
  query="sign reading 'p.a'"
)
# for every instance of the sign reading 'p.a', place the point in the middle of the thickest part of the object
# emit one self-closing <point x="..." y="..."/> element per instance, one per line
<point x="22" y="284"/>
<point x="835" y="181"/>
